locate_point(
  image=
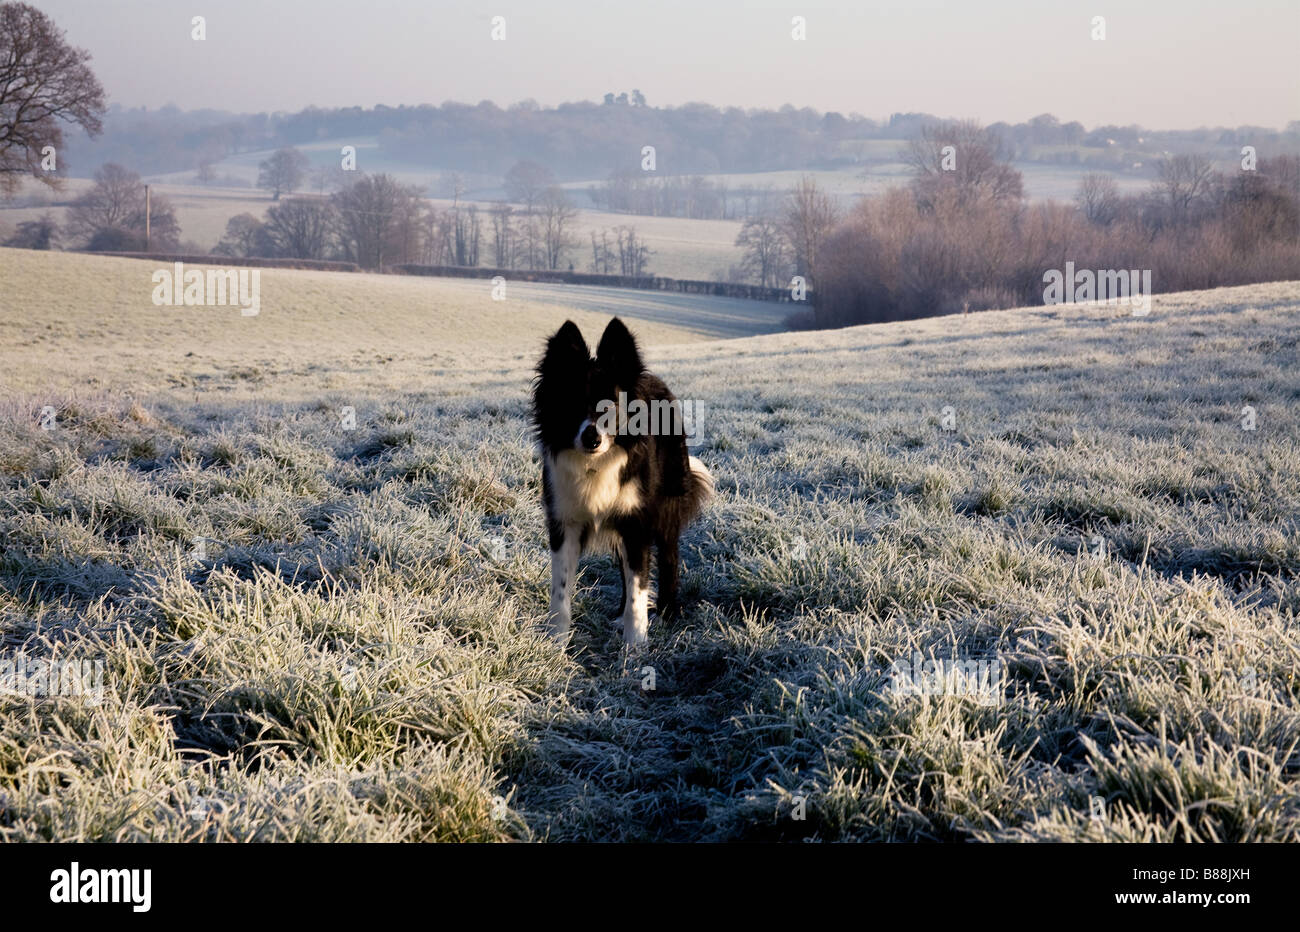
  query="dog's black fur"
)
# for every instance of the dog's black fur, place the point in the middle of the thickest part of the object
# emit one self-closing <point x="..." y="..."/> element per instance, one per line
<point x="660" y="487"/>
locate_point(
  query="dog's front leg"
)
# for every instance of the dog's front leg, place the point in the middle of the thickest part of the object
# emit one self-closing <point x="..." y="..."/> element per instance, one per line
<point x="565" y="546"/>
<point x="636" y="593"/>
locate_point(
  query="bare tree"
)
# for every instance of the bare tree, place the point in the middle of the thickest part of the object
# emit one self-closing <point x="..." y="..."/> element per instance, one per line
<point x="964" y="160"/>
<point x="810" y="214"/>
<point x="531" y="233"/>
<point x="556" y="215"/>
<point x="110" y="216"/>
<point x="43" y="81"/>
<point x="766" y="250"/>
<point x="435" y="229"/>
<point x="408" y="226"/>
<point x="603" y="256"/>
<point x="465" y="227"/>
<point x="283" y="172"/>
<point x="503" y="235"/>
<point x="633" y="253"/>
<point x="116" y="194"/>
<point x="301" y="228"/>
<point x="1262" y="205"/>
<point x="526" y="182"/>
<point x="327" y="178"/>
<point x="1283" y="171"/>
<point x="1099" y="199"/>
<point x="244" y="236"/>
<point x="1183" y="181"/>
<point x="455" y="184"/>
<point x="467" y="234"/>
<point x="379" y="220"/>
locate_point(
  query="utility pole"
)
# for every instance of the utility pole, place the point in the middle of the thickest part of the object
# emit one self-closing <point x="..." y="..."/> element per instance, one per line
<point x="146" y="218"/>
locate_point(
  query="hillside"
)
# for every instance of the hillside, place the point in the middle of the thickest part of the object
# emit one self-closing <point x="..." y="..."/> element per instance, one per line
<point x="353" y="652"/>
<point x="315" y="330"/>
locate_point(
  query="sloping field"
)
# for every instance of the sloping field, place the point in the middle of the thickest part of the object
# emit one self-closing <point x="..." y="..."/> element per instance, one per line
<point x="82" y="320"/>
<point x="315" y="633"/>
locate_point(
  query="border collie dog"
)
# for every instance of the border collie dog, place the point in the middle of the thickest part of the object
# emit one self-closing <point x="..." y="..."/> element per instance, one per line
<point x="609" y="482"/>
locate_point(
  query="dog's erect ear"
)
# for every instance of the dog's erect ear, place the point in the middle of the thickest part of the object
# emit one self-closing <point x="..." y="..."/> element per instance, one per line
<point x="566" y="347"/>
<point x="617" y="351"/>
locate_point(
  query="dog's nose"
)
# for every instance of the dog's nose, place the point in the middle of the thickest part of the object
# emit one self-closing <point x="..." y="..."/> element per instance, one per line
<point x="590" y="437"/>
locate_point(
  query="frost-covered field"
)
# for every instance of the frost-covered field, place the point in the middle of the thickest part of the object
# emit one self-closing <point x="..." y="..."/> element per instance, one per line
<point x="89" y="322"/>
<point x="316" y="633"/>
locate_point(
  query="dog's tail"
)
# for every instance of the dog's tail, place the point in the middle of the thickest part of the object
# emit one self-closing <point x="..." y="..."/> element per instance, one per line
<point x="701" y="483"/>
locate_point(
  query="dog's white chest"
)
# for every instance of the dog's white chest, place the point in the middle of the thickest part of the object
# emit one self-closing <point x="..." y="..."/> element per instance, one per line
<point x="589" y="489"/>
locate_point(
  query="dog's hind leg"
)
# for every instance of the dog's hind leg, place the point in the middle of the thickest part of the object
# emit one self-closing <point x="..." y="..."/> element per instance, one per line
<point x="622" y="575"/>
<point x="565" y="546"/>
<point x="669" y="561"/>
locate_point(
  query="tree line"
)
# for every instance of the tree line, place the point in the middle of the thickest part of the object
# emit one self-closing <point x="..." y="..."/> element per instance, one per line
<point x="961" y="237"/>
<point x="376" y="221"/>
<point x="588" y="139"/>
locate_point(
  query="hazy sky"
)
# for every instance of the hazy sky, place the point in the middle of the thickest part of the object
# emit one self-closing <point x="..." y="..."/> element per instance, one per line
<point x="1163" y="63"/>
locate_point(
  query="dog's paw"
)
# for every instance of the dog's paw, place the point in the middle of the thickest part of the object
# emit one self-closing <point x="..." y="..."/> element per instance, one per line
<point x="559" y="632"/>
<point x="635" y="635"/>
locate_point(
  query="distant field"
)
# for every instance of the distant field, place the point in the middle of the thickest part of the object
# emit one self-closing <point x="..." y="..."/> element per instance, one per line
<point x="202" y="212"/>
<point x="328" y="153"/>
<point x="310" y="632"/>
<point x="1042" y="182"/>
<point x="1061" y="182"/>
<point x="693" y="249"/>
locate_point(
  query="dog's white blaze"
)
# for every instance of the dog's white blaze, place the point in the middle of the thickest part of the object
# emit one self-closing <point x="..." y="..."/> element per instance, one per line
<point x="606" y="440"/>
<point x="587" y="489"/>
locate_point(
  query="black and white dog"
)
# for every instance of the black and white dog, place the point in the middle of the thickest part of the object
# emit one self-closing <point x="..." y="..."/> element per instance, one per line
<point x="612" y="482"/>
